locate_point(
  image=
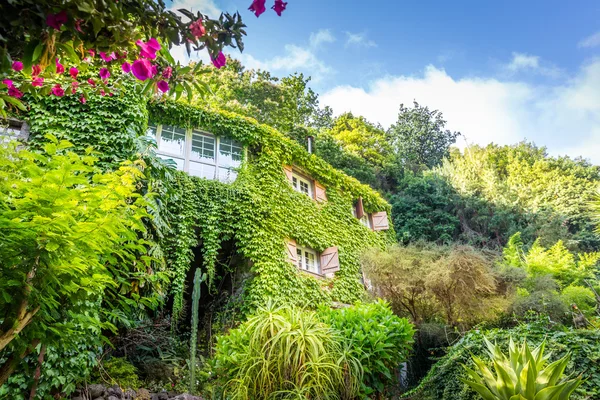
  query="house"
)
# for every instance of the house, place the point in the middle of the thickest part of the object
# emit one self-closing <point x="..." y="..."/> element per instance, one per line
<point x="251" y="206"/>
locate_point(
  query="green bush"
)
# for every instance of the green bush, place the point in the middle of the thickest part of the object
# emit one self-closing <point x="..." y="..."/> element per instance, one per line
<point x="443" y="381"/>
<point x="380" y="340"/>
<point x="581" y="296"/>
<point x="283" y="352"/>
<point x="119" y="371"/>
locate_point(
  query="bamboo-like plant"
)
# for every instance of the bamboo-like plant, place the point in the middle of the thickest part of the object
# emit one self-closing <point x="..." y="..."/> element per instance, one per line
<point x="524" y="375"/>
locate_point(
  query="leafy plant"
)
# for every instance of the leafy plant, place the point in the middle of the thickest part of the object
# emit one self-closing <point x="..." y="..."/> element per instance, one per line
<point x="119" y="371"/>
<point x="283" y="352"/>
<point x="378" y="339"/>
<point x="523" y="375"/>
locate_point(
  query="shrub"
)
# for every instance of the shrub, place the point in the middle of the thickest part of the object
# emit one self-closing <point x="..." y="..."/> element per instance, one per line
<point x="523" y="375"/>
<point x="119" y="371"/>
<point x="283" y="353"/>
<point x="380" y="340"/>
<point x="443" y="380"/>
<point x="581" y="296"/>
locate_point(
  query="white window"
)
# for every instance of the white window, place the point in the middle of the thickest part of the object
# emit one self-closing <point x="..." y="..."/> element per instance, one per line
<point x="13" y="129"/>
<point x="302" y="184"/>
<point x="198" y="153"/>
<point x="366" y="221"/>
<point x="307" y="259"/>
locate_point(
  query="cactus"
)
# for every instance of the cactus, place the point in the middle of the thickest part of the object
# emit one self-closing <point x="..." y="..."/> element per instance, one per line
<point x="523" y="375"/>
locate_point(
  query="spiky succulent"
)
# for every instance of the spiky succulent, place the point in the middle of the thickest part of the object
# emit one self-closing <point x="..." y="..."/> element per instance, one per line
<point x="524" y="375"/>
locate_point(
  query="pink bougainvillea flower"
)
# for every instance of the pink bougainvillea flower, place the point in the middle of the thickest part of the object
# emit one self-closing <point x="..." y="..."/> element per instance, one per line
<point x="102" y="92"/>
<point x="104" y="73"/>
<point x="38" y="82"/>
<point x="167" y="73"/>
<point x="14" y="92"/>
<point x="107" y="58"/>
<point x="92" y="53"/>
<point x="126" y="67"/>
<point x="257" y="7"/>
<point x="220" y="61"/>
<point x="74" y="72"/>
<point x="78" y="25"/>
<point x="197" y="28"/>
<point x="36" y="70"/>
<point x="148" y="49"/>
<point x="60" y="69"/>
<point x="8" y="82"/>
<point x="74" y="87"/>
<point x="142" y="69"/>
<point x="17" y="66"/>
<point x="57" y="20"/>
<point x="111" y="94"/>
<point x="58" y="91"/>
<point x="279" y="6"/>
<point x="82" y="100"/>
<point x="91" y="82"/>
<point x="163" y="86"/>
<point x="154" y="70"/>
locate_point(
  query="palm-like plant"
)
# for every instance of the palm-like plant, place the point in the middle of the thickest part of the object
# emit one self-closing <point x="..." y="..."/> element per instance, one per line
<point x="524" y="375"/>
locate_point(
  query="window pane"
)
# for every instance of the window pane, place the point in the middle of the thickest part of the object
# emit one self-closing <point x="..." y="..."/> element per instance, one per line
<point x="227" y="175"/>
<point x="179" y="161"/>
<point x="202" y="170"/>
<point x="230" y="152"/>
<point x="299" y="257"/>
<point x="151" y="132"/>
<point x="172" y="140"/>
<point x="203" y="147"/>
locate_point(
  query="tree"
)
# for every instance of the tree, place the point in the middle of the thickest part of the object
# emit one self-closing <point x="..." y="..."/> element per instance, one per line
<point x="70" y="239"/>
<point x="419" y="137"/>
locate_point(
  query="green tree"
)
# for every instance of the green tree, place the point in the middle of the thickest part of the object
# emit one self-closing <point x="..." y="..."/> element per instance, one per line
<point x="70" y="239"/>
<point x="419" y="137"/>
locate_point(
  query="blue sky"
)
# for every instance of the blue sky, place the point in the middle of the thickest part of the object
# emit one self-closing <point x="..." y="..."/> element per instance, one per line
<point x="500" y="71"/>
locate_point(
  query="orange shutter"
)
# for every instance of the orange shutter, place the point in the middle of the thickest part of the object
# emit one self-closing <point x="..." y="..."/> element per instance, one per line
<point x="288" y="172"/>
<point x="320" y="194"/>
<point x="291" y="251"/>
<point x="360" y="211"/>
<point x="330" y="261"/>
<point x="380" y="221"/>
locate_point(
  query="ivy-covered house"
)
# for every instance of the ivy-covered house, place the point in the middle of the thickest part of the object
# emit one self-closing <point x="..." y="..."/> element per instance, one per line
<point x="255" y="210"/>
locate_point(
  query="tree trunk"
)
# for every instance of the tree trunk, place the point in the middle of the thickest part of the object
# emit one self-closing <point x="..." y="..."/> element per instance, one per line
<point x="38" y="373"/>
<point x="22" y="319"/>
<point x="13" y="361"/>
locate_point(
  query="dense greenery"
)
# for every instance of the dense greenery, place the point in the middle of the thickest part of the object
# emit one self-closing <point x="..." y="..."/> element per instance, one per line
<point x="444" y="380"/>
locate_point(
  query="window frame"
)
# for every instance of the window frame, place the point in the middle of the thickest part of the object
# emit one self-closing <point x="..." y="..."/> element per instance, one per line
<point x="366" y="220"/>
<point x="187" y="152"/>
<point x="301" y="259"/>
<point x="301" y="178"/>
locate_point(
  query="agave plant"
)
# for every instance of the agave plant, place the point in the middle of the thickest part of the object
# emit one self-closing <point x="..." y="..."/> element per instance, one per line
<point x="524" y="375"/>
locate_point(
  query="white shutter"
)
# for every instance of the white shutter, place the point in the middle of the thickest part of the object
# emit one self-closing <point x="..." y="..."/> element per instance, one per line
<point x="380" y="221"/>
<point x="330" y="261"/>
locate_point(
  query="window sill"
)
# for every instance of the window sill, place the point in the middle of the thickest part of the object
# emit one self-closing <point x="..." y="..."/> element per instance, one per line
<point x="313" y="274"/>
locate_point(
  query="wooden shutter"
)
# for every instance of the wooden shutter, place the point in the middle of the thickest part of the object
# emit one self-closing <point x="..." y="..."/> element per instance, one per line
<point x="320" y="193"/>
<point x="380" y="221"/>
<point x="330" y="261"/>
<point x="360" y="211"/>
<point x="288" y="172"/>
<point x="291" y="251"/>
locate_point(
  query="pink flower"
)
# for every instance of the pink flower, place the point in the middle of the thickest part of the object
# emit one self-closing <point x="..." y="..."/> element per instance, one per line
<point x="82" y="100"/>
<point x="163" y="86"/>
<point x="14" y="92"/>
<point x="141" y="69"/>
<point x="102" y="92"/>
<point x="38" y="82"/>
<point x="8" y="82"/>
<point x="92" y="53"/>
<point x="73" y="71"/>
<point x="74" y="87"/>
<point x="17" y="66"/>
<point x="257" y="7"/>
<point x="279" y="6"/>
<point x="149" y="49"/>
<point x="57" y="20"/>
<point x="91" y="82"/>
<point x="104" y="73"/>
<point x="167" y="73"/>
<point x="36" y="70"/>
<point x="197" y="28"/>
<point x="107" y="58"/>
<point x="59" y="67"/>
<point x="126" y="67"/>
<point x="154" y="70"/>
<point x="58" y="91"/>
<point x="78" y="25"/>
<point x="220" y="61"/>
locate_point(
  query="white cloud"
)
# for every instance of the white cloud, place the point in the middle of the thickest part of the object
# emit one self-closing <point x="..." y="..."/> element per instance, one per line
<point x="359" y="40"/>
<point x="564" y="117"/>
<point x="320" y="37"/>
<point x="529" y="63"/>
<point x="590" y="41"/>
